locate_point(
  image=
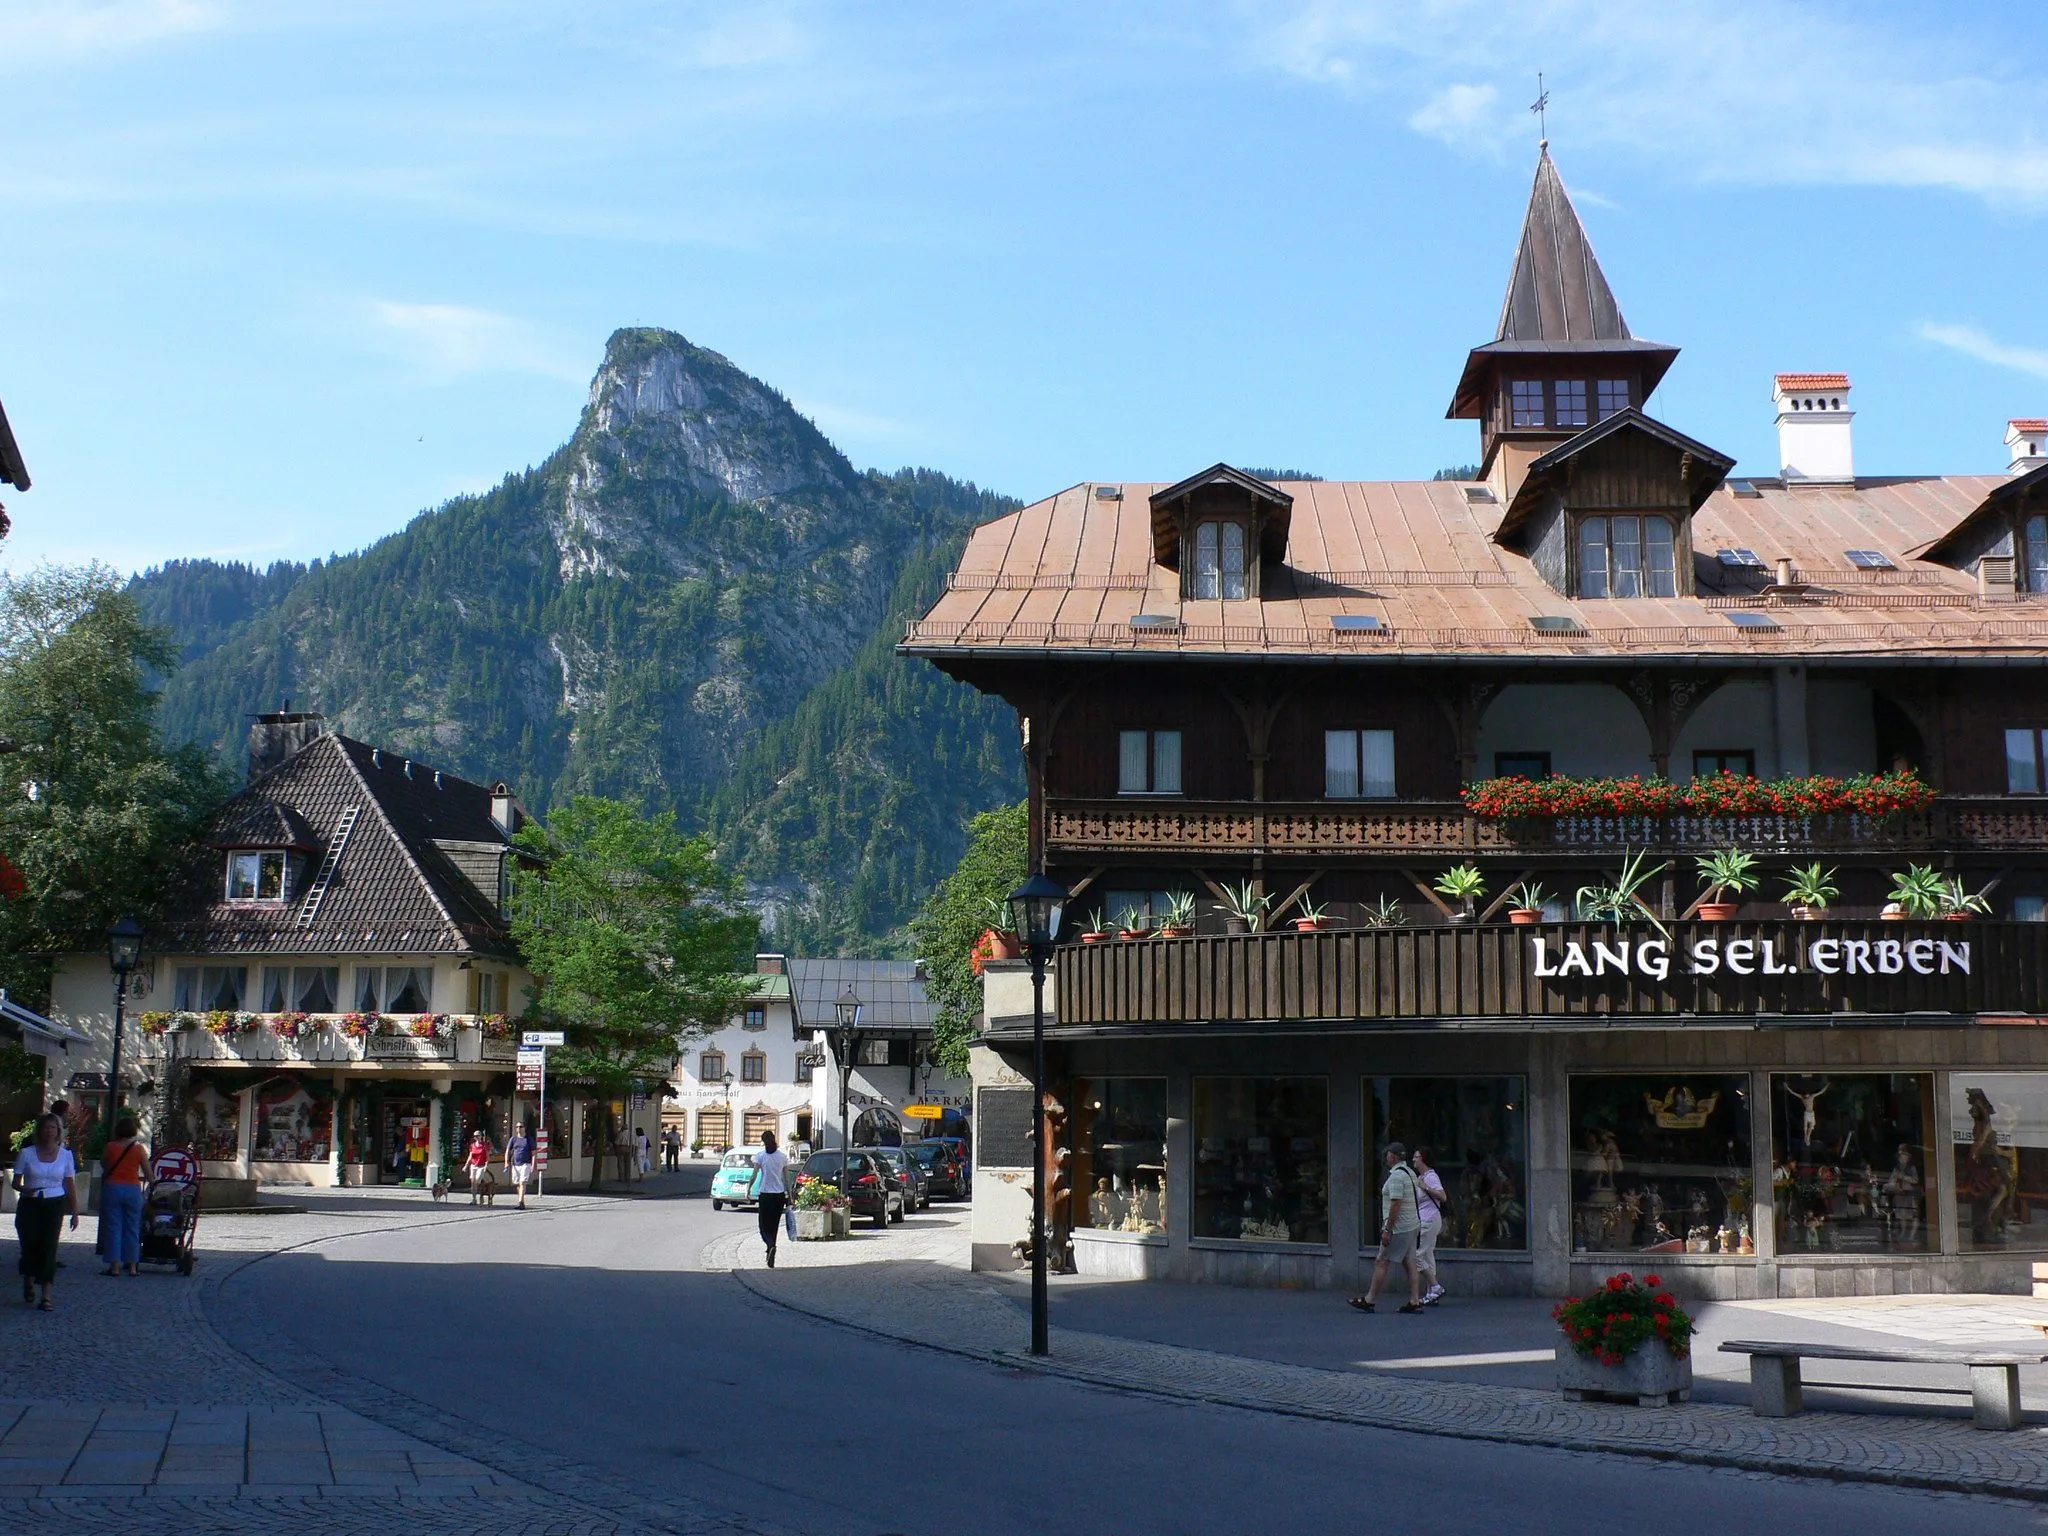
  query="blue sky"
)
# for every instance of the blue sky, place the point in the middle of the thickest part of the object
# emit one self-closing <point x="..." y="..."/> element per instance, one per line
<point x="275" y="277"/>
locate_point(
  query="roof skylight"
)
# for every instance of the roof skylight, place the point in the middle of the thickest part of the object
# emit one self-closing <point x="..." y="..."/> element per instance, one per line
<point x="1157" y="622"/>
<point x="1870" y="559"/>
<point x="1744" y="619"/>
<point x="1357" y="623"/>
<point x="1740" y="559"/>
<point x="1556" y="624"/>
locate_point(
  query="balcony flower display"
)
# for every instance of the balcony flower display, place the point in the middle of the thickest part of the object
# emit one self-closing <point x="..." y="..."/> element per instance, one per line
<point x="289" y="1026"/>
<point x="427" y="1025"/>
<point x="495" y="1026"/>
<point x="359" y="1026"/>
<point x="159" y="1023"/>
<point x="1877" y="795"/>
<point x="221" y="1022"/>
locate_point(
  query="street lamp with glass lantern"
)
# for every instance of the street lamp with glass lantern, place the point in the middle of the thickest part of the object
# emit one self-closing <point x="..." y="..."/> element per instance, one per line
<point x="846" y="1040"/>
<point x="124" y="953"/>
<point x="1035" y="908"/>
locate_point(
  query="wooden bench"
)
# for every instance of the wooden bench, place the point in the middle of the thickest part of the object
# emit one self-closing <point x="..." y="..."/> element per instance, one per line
<point x="1776" y="1392"/>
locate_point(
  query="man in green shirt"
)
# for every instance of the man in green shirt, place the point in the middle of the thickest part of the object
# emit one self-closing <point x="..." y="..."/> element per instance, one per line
<point x="1400" y="1225"/>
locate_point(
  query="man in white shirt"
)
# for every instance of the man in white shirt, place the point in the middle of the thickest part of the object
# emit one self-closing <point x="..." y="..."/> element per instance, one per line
<point x="770" y="1192"/>
<point x="1399" y="1227"/>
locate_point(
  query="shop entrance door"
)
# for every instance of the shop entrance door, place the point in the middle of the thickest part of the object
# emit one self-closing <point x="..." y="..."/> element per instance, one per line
<point x="405" y="1140"/>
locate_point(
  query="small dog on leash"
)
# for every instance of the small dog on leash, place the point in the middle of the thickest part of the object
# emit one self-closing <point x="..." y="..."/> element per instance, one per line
<point x="440" y="1189"/>
<point x="484" y="1188"/>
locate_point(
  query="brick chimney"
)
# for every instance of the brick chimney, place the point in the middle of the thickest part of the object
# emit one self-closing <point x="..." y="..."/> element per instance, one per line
<point x="2026" y="444"/>
<point x="1813" y="428"/>
<point x="275" y="737"/>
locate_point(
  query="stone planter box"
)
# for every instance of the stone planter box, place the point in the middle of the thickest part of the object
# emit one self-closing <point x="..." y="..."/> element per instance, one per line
<point x="1652" y="1376"/>
<point x="1120" y="1255"/>
<point x="822" y="1225"/>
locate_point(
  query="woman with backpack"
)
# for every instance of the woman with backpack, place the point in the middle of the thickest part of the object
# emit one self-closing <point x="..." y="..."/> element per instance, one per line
<point x="1432" y="1205"/>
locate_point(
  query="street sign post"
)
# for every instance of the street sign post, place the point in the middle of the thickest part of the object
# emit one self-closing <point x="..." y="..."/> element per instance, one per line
<point x="542" y="1037"/>
<point x="533" y="1058"/>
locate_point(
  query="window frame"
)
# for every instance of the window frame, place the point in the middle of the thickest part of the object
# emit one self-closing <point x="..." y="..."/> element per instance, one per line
<point x="1211" y="573"/>
<point x="1603" y="389"/>
<point x="268" y="862"/>
<point x="1520" y="416"/>
<point x="1361" y="789"/>
<point x="753" y="1066"/>
<point x="754" y="1018"/>
<point x="2037" y="741"/>
<point x="1578" y="413"/>
<point x="1502" y="759"/>
<point x="1644" y="571"/>
<point x="1153" y="759"/>
<point x="1747" y="754"/>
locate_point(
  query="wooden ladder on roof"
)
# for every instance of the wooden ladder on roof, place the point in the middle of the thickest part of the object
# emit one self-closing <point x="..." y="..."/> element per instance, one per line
<point x="317" y="891"/>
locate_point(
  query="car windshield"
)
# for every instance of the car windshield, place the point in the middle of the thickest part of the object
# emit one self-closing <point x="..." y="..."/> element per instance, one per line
<point x="738" y="1160"/>
<point x="826" y="1165"/>
<point x="926" y="1156"/>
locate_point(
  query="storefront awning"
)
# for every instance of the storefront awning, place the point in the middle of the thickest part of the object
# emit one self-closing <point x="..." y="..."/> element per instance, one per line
<point x="37" y="1035"/>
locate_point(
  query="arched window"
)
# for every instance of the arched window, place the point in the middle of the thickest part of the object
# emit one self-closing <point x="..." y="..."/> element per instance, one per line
<point x="1219" y="562"/>
<point x="1626" y="557"/>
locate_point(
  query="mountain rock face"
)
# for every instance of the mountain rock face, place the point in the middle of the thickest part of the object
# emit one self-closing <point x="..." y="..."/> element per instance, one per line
<point x="696" y="565"/>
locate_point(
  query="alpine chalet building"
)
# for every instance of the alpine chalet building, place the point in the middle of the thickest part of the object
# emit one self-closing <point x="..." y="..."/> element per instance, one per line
<point x="1298" y="717"/>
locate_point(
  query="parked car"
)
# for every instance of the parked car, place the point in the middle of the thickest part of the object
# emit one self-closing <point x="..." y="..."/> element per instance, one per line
<point x="733" y="1184"/>
<point x="945" y="1168"/>
<point x="917" y="1189"/>
<point x="872" y="1190"/>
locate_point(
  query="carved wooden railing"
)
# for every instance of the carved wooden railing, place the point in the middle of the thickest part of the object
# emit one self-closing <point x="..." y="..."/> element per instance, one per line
<point x="1323" y="828"/>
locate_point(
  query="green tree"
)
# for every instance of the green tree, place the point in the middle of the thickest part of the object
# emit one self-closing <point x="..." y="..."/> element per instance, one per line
<point x="636" y="938"/>
<point x="995" y="863"/>
<point x="94" y="813"/>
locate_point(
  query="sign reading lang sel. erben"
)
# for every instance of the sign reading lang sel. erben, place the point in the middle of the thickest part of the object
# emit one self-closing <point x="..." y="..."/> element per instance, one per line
<point x="1654" y="957"/>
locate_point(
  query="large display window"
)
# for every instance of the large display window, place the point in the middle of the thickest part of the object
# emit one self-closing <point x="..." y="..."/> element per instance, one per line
<point x="1849" y="1162"/>
<point x="1118" y="1169"/>
<point x="1998" y="1122"/>
<point x="1661" y="1164"/>
<point x="1474" y="1130"/>
<point x="294" y="1121"/>
<point x="213" y="1118"/>
<point x="1262" y="1159"/>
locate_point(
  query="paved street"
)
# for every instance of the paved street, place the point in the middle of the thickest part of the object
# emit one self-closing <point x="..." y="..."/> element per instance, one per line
<point x="590" y="1367"/>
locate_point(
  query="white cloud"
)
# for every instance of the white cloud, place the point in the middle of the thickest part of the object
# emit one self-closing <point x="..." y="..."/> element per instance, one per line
<point x="444" y="342"/>
<point x="1744" y="92"/>
<point x="1972" y="342"/>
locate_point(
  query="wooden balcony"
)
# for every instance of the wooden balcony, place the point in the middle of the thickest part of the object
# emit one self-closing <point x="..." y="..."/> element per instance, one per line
<point x="1179" y="829"/>
<point x="1761" y="974"/>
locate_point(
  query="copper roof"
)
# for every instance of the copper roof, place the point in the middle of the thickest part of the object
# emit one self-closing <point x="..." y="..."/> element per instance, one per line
<point x="394" y="889"/>
<point x="1068" y="574"/>
<point x="1812" y="380"/>
<point x="1557" y="291"/>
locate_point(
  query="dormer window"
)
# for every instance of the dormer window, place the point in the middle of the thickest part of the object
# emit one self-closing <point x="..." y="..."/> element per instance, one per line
<point x="256" y="875"/>
<point x="1626" y="557"/>
<point x="2034" y="535"/>
<point x="1218" y="569"/>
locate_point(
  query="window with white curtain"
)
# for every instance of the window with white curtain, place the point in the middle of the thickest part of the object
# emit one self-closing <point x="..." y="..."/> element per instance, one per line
<point x="1148" y="763"/>
<point x="1626" y="557"/>
<point x="1219" y="563"/>
<point x="1358" y="765"/>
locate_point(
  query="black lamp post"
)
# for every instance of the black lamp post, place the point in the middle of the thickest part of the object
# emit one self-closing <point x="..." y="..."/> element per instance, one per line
<point x="1035" y="908"/>
<point x="845" y="1041"/>
<point x="124" y="952"/>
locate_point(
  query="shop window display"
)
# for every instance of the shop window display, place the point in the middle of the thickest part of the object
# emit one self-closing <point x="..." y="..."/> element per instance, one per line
<point x="1998" y="1122"/>
<point x="1661" y="1164"/>
<point x="294" y="1121"/>
<point x="213" y="1121"/>
<point x="406" y="1123"/>
<point x="1475" y="1131"/>
<point x="1849" y="1165"/>
<point x="1262" y="1165"/>
<point x="1118" y="1170"/>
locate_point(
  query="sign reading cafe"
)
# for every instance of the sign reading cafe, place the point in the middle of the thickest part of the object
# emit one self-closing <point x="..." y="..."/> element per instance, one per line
<point x="1654" y="959"/>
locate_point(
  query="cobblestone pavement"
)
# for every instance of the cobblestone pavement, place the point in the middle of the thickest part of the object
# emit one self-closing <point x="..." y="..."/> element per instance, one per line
<point x="138" y="1407"/>
<point x="954" y="1310"/>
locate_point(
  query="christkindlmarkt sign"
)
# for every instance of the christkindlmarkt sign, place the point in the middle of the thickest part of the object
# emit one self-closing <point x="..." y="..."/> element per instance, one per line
<point x="1557" y="973"/>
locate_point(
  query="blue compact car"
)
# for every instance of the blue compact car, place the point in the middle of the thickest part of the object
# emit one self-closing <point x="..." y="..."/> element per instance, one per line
<point x="734" y="1181"/>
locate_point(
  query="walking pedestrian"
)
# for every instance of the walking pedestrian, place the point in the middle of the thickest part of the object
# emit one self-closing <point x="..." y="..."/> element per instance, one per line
<point x="640" y="1147"/>
<point x="1433" y="1205"/>
<point x="1399" y="1225"/>
<point x="44" y="1174"/>
<point x="121" y="1169"/>
<point x="672" y="1141"/>
<point x="478" y="1162"/>
<point x="770" y="1194"/>
<point x="519" y="1160"/>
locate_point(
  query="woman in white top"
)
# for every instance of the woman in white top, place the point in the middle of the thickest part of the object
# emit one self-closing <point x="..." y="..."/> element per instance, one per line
<point x="44" y="1175"/>
<point x="1432" y="1202"/>
<point x="769" y="1191"/>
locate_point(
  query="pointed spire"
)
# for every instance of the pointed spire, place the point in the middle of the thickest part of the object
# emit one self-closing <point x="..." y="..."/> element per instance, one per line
<point x="1557" y="291"/>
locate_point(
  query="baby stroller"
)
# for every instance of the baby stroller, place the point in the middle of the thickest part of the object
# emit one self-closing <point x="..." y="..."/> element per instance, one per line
<point x="170" y="1211"/>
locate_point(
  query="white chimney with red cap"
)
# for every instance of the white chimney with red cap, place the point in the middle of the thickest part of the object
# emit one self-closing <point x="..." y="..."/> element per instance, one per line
<point x="1813" y="428"/>
<point x="2026" y="440"/>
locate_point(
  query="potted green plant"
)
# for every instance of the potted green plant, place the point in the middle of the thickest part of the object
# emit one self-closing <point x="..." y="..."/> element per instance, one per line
<point x="1629" y="1339"/>
<point x="1621" y="900"/>
<point x="1809" y="891"/>
<point x="1097" y="930"/>
<point x="1727" y="870"/>
<point x="1245" y="907"/>
<point x="998" y="940"/>
<point x="1464" y="884"/>
<point x="1525" y="903"/>
<point x="1959" y="905"/>
<point x="1180" y="916"/>
<point x="1133" y="924"/>
<point x="1918" y="893"/>
<point x="1385" y="913"/>
<point x="1312" y="917"/>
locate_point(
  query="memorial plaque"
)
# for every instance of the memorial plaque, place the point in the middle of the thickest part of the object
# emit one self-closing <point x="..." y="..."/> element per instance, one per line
<point x="1002" y="1128"/>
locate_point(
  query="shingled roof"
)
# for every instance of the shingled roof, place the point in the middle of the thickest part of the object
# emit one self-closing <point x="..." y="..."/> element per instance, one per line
<point x="395" y="889"/>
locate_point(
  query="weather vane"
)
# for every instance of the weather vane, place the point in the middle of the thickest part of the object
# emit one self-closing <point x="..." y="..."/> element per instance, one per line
<point x="1539" y="106"/>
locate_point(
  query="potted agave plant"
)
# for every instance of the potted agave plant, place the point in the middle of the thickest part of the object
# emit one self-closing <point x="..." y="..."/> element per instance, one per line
<point x="1180" y="916"/>
<point x="1133" y="924"/>
<point x="1312" y="917"/>
<point x="1385" y="913"/>
<point x="1726" y="871"/>
<point x="1525" y="903"/>
<point x="1917" y="894"/>
<point x="1096" y="931"/>
<point x="1464" y="884"/>
<point x="998" y="940"/>
<point x="1809" y="891"/>
<point x="1959" y="904"/>
<point x="1621" y="899"/>
<point x="1244" y="908"/>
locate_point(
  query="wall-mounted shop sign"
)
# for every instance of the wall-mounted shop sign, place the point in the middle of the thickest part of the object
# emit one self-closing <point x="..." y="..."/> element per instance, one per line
<point x="1653" y="957"/>
<point x="1552" y="974"/>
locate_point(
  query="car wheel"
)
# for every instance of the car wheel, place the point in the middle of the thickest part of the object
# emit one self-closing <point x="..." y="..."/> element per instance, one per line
<point x="898" y="1217"/>
<point x="882" y="1219"/>
<point x="718" y="1205"/>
